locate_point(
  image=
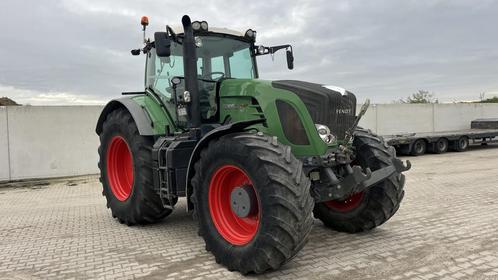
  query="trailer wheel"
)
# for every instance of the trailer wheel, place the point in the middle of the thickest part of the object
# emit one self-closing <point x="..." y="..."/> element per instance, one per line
<point x="441" y="146"/>
<point x="461" y="144"/>
<point x="252" y="201"/>
<point x="126" y="172"/>
<point x="419" y="147"/>
<point x="368" y="209"/>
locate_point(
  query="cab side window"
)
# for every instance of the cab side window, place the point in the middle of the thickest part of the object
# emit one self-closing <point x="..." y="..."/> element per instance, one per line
<point x="241" y="65"/>
<point x="160" y="70"/>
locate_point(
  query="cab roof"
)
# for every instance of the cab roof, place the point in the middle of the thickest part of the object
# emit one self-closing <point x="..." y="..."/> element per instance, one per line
<point x="179" y="30"/>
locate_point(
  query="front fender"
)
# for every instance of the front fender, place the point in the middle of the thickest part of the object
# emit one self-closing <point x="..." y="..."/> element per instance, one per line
<point x="213" y="134"/>
<point x="138" y="113"/>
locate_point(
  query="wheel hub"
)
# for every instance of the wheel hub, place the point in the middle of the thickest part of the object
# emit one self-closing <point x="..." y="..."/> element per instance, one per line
<point x="237" y="223"/>
<point x="243" y="201"/>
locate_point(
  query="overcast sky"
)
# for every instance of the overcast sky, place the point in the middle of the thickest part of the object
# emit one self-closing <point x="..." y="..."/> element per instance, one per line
<point x="78" y="52"/>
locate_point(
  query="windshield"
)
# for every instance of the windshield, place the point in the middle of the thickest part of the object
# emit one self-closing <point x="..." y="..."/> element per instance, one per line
<point x="222" y="56"/>
<point x="217" y="57"/>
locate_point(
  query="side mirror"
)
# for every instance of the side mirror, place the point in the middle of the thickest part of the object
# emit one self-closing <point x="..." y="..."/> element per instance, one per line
<point x="290" y="59"/>
<point x="162" y="44"/>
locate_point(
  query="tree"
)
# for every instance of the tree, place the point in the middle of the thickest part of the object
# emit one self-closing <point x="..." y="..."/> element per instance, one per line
<point x="420" y="97"/>
<point x="5" y="101"/>
<point x="493" y="99"/>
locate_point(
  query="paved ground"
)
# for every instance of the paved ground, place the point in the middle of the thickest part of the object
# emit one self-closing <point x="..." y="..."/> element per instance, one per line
<point x="445" y="229"/>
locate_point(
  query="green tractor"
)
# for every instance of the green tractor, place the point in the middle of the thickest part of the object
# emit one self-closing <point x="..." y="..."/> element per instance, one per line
<point x="255" y="159"/>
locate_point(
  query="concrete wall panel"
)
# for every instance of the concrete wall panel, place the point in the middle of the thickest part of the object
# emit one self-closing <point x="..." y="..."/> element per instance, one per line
<point x="60" y="141"/>
<point x="489" y="111"/>
<point x="455" y="116"/>
<point x="53" y="141"/>
<point x="369" y="120"/>
<point x="4" y="148"/>
<point x="403" y="118"/>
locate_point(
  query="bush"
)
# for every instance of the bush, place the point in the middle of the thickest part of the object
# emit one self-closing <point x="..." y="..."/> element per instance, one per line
<point x="420" y="97"/>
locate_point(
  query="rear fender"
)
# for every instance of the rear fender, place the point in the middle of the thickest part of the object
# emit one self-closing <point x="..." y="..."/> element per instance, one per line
<point x="137" y="112"/>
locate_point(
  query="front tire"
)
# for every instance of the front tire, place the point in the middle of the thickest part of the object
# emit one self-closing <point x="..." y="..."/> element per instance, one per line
<point x="280" y="219"/>
<point x="374" y="206"/>
<point x="126" y="171"/>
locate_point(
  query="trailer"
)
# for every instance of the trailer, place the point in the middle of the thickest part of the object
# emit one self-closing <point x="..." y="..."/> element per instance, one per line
<point x="482" y="131"/>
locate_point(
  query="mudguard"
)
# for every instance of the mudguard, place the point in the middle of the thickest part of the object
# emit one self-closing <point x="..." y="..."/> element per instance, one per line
<point x="138" y="113"/>
<point x="213" y="134"/>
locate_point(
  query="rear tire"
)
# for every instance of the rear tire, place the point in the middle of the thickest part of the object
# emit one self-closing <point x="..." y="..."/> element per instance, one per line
<point x="278" y="229"/>
<point x="126" y="171"/>
<point x="373" y="207"/>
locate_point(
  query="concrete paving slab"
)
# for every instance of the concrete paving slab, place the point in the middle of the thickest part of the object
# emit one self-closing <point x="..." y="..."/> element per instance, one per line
<point x="445" y="229"/>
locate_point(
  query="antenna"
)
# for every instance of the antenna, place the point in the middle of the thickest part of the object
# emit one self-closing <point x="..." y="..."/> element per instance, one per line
<point x="144" y="21"/>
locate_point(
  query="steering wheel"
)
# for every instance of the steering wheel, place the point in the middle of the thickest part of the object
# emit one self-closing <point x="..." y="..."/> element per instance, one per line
<point x="222" y="75"/>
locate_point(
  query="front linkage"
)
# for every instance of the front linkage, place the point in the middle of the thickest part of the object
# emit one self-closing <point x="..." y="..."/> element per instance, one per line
<point x="352" y="178"/>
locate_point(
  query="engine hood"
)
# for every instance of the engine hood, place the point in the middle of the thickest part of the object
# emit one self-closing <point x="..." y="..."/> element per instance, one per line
<point x="330" y="106"/>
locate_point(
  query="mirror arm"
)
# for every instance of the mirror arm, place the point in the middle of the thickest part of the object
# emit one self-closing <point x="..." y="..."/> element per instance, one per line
<point x="172" y="33"/>
<point x="147" y="47"/>
<point x="271" y="50"/>
<point x="274" y="49"/>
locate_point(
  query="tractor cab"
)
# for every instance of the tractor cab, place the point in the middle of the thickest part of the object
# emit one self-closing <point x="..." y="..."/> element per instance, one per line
<point x="185" y="67"/>
<point x="220" y="54"/>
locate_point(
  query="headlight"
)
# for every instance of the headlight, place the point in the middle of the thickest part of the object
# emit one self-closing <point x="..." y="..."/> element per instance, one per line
<point x="204" y="25"/>
<point x="251" y="34"/>
<point x="324" y="133"/>
<point x="261" y="49"/>
<point x="196" y="25"/>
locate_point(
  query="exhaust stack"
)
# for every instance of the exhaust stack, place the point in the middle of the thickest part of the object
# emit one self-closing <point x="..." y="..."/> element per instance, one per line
<point x="190" y="68"/>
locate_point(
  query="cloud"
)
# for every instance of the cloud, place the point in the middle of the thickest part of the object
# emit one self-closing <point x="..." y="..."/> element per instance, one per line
<point x="383" y="49"/>
<point x="32" y="97"/>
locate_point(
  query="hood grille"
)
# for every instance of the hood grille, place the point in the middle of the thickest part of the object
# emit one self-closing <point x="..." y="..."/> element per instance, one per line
<point x="325" y="106"/>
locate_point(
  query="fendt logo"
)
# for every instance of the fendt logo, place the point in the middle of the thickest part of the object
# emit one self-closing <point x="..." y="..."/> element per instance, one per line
<point x="343" y="111"/>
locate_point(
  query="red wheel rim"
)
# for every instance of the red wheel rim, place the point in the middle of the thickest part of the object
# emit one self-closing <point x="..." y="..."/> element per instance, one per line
<point x="120" y="168"/>
<point x="348" y="204"/>
<point x="234" y="229"/>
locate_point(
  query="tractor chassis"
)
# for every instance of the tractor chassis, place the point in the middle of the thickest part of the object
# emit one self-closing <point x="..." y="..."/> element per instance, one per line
<point x="170" y="159"/>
